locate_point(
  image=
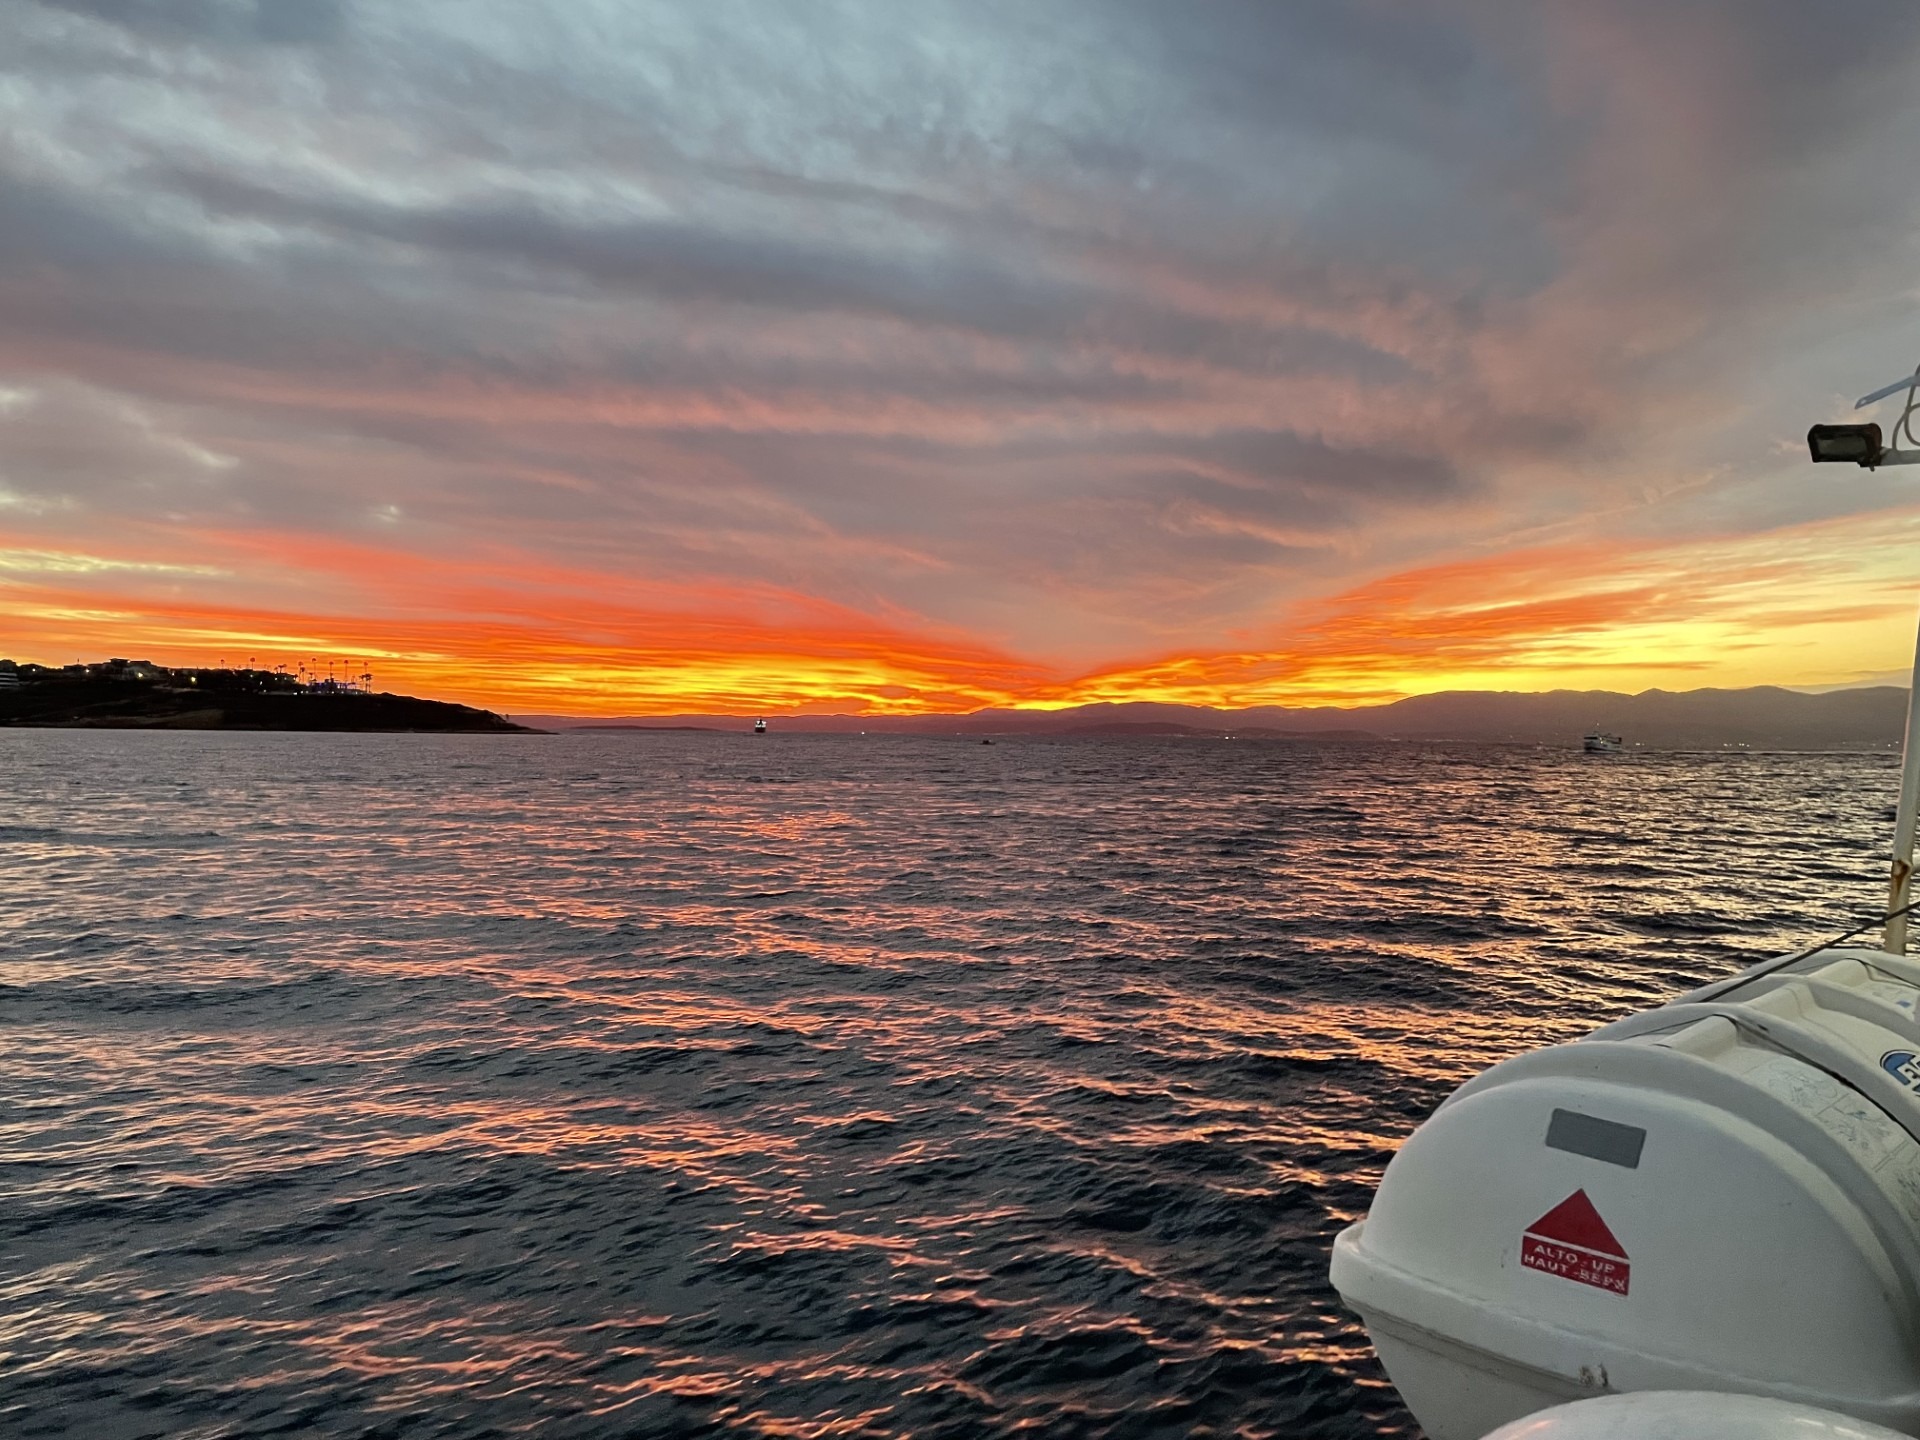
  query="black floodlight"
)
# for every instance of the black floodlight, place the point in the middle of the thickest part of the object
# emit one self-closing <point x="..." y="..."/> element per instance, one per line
<point x="1846" y="444"/>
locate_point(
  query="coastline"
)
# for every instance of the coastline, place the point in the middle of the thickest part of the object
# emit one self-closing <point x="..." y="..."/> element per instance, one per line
<point x="131" y="705"/>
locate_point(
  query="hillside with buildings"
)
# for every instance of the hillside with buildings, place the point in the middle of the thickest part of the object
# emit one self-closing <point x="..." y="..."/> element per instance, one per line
<point x="138" y="694"/>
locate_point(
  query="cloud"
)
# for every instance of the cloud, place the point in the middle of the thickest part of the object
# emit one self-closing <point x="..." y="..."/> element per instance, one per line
<point x="1088" y="331"/>
<point x="66" y="445"/>
<point x="275" y="21"/>
<point x="1583" y="615"/>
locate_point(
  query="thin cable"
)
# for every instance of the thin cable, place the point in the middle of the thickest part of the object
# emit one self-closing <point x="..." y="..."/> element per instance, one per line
<point x="1720" y="987"/>
<point x="1868" y="925"/>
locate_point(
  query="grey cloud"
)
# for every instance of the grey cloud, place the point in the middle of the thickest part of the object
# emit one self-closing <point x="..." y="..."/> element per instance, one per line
<point x="970" y="287"/>
<point x="273" y="21"/>
<point x="62" y="442"/>
<point x="698" y="263"/>
<point x="315" y="313"/>
<point x="1283" y="461"/>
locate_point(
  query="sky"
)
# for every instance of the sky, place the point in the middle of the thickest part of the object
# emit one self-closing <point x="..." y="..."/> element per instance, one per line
<point x="902" y="356"/>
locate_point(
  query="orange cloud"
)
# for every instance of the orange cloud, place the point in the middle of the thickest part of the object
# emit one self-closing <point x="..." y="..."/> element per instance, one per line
<point x="1821" y="604"/>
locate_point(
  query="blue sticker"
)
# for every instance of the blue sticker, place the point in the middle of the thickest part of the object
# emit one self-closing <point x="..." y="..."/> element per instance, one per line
<point x="1904" y="1066"/>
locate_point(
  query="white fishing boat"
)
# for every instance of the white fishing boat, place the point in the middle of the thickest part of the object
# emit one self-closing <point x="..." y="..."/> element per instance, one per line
<point x="1720" y="1194"/>
<point x="1601" y="743"/>
<point x="759" y="727"/>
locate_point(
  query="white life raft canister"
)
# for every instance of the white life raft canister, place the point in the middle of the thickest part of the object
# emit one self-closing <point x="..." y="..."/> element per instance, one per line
<point x="1688" y="1415"/>
<point x="1721" y="1194"/>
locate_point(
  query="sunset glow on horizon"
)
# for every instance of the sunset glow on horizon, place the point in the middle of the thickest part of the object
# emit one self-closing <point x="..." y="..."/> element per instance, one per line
<point x="1821" y="606"/>
<point x="649" y="360"/>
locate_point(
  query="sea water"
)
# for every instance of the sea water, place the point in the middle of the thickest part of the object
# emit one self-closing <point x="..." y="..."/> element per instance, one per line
<point x="662" y="1083"/>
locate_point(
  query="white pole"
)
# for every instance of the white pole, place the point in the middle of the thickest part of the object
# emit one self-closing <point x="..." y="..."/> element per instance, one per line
<point x="1895" y="940"/>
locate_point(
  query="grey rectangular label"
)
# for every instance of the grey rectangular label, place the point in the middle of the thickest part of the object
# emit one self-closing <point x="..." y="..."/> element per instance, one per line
<point x="1595" y="1138"/>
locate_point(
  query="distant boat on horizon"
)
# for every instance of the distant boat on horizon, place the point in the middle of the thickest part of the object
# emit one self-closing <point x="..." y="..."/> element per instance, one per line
<point x="1601" y="743"/>
<point x="759" y="727"/>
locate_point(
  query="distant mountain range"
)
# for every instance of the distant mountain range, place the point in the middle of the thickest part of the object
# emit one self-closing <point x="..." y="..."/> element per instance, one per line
<point x="1763" y="717"/>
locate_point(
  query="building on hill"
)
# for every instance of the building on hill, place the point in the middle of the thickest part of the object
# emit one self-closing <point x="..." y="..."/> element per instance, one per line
<point x="121" y="669"/>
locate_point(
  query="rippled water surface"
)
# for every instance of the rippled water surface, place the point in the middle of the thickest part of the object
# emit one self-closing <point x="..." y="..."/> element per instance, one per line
<point x="649" y="1084"/>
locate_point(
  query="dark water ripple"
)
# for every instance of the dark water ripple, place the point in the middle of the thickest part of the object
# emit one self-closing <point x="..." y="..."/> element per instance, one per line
<point x="802" y="1086"/>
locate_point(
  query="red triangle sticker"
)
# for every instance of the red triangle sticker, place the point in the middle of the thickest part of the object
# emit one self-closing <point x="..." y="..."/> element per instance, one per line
<point x="1574" y="1221"/>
